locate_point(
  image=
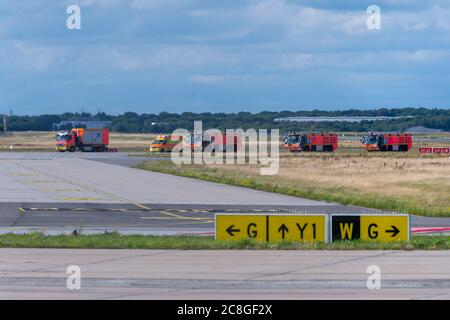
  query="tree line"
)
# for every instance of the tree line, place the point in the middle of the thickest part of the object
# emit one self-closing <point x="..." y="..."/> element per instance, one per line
<point x="164" y="122"/>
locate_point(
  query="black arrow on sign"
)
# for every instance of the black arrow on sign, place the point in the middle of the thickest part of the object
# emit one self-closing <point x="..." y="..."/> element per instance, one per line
<point x="230" y="230"/>
<point x="394" y="231"/>
<point x="283" y="229"/>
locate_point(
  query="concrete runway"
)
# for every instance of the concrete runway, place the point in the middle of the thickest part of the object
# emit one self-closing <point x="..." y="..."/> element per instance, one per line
<point x="54" y="193"/>
<point x="65" y="177"/>
<point x="198" y="274"/>
<point x="60" y="192"/>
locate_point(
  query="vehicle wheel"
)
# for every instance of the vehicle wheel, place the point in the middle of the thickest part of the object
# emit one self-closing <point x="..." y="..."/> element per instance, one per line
<point x="161" y="150"/>
<point x="72" y="149"/>
<point x="101" y="149"/>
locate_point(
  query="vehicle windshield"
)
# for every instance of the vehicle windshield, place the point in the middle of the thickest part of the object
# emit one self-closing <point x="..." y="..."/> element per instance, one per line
<point x="63" y="137"/>
<point x="370" y="139"/>
<point x="158" y="142"/>
<point x="293" y="139"/>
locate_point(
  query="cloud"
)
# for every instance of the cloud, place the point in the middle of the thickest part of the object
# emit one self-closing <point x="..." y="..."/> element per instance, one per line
<point x="206" y="79"/>
<point x="262" y="49"/>
<point x="23" y="56"/>
<point x="155" y="4"/>
<point x="132" y="4"/>
<point x="224" y="78"/>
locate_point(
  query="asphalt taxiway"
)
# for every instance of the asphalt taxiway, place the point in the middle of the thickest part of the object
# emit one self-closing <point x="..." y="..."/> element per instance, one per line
<point x="223" y="274"/>
<point x="55" y="193"/>
<point x="168" y="219"/>
<point x="63" y="178"/>
<point x="98" y="192"/>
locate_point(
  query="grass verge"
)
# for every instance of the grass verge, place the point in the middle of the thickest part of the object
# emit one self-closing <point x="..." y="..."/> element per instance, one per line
<point x="342" y="195"/>
<point x="118" y="241"/>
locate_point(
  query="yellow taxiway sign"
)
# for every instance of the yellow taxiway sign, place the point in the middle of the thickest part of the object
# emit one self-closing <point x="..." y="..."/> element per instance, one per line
<point x="273" y="227"/>
<point x="376" y="227"/>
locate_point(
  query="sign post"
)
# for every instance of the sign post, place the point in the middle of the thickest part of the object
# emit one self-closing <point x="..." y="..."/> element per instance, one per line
<point x="313" y="227"/>
<point x="298" y="227"/>
<point x="434" y="150"/>
<point x="273" y="227"/>
<point x="376" y="227"/>
<point x="237" y="227"/>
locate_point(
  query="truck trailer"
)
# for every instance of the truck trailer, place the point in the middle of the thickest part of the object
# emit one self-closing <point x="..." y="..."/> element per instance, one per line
<point x="387" y="142"/>
<point x="93" y="140"/>
<point x="311" y="142"/>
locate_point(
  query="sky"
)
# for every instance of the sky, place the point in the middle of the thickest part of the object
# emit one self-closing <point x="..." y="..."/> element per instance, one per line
<point x="150" y="56"/>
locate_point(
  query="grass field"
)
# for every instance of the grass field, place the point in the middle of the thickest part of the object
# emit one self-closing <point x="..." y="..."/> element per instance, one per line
<point x="139" y="142"/>
<point x="396" y="182"/>
<point x="117" y="241"/>
<point x="43" y="141"/>
<point x="403" y="182"/>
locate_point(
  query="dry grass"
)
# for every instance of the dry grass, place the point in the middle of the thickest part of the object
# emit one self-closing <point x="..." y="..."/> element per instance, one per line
<point x="390" y="181"/>
<point x="398" y="181"/>
<point x="425" y="180"/>
<point x="43" y="141"/>
<point x="27" y="141"/>
<point x="131" y="141"/>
